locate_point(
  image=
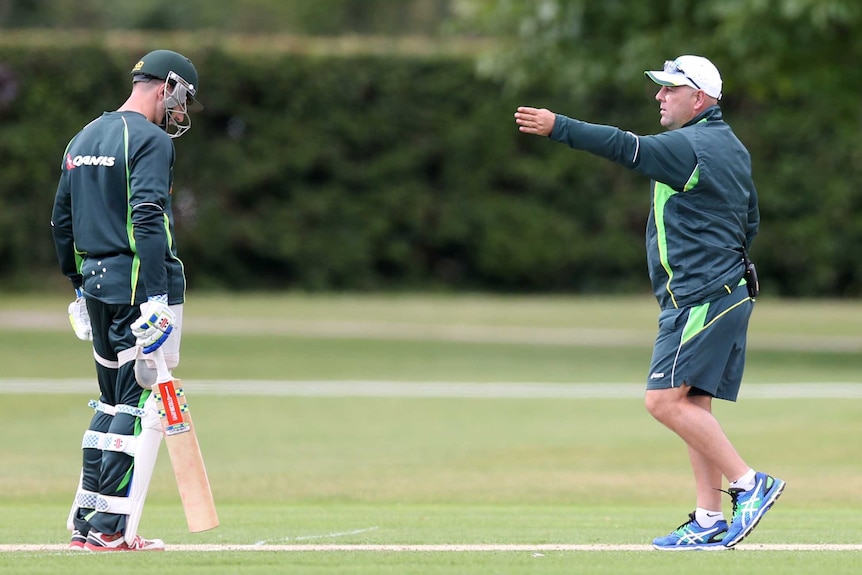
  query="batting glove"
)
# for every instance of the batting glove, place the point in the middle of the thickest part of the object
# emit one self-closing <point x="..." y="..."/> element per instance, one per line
<point x="155" y="324"/>
<point x="79" y="317"/>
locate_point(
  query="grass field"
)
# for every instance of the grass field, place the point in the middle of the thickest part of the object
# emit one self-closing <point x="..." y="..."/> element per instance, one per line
<point x="378" y="466"/>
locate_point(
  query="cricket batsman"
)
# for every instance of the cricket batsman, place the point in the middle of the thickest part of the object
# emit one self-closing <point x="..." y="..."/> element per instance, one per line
<point x="113" y="230"/>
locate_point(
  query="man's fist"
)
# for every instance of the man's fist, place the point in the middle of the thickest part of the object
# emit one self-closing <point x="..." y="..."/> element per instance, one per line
<point x="155" y="324"/>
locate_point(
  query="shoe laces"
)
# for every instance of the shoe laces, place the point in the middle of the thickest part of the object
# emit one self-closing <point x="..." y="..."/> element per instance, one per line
<point x="682" y="527"/>
<point x="734" y="497"/>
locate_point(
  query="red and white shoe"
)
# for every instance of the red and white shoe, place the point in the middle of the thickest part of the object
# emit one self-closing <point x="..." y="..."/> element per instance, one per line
<point x="116" y="542"/>
<point x="78" y="541"/>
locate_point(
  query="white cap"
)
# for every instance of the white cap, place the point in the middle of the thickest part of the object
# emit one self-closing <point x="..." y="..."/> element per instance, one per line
<point x="694" y="71"/>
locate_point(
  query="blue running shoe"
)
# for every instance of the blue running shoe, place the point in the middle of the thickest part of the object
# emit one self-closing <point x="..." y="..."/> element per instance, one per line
<point x="750" y="506"/>
<point x="690" y="536"/>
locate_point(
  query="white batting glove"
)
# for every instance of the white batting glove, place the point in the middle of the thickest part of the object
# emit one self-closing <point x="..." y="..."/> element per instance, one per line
<point x="79" y="317"/>
<point x="155" y="324"/>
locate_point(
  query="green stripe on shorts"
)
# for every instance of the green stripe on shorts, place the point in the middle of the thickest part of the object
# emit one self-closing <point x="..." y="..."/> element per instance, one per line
<point x="696" y="322"/>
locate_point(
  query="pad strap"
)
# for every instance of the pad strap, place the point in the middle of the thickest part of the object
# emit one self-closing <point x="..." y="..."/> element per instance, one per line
<point x="86" y="499"/>
<point x="92" y="439"/>
<point x="115" y="409"/>
<point x="111" y="504"/>
<point x="108" y="442"/>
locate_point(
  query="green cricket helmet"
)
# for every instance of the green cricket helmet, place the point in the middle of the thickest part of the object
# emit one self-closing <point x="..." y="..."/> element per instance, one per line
<point x="181" y="77"/>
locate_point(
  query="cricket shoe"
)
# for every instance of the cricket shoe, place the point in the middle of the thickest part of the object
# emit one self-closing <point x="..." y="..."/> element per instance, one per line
<point x="78" y="541"/>
<point x="691" y="536"/>
<point x="751" y="505"/>
<point x="100" y="542"/>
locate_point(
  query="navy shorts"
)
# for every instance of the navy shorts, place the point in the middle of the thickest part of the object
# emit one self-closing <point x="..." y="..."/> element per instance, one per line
<point x="703" y="346"/>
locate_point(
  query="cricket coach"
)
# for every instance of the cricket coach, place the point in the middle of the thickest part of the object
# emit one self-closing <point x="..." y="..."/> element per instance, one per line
<point x="703" y="219"/>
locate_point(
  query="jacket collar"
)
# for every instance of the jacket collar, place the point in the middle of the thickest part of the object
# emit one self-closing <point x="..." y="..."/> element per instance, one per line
<point x="710" y="114"/>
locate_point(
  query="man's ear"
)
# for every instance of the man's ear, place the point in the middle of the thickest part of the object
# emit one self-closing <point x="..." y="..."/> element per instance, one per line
<point x="161" y="91"/>
<point x="701" y="101"/>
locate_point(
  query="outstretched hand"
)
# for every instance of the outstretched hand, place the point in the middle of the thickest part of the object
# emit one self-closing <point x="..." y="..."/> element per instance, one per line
<point x="538" y="121"/>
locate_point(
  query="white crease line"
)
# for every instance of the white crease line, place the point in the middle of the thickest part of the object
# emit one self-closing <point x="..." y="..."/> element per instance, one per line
<point x="210" y="548"/>
<point x="308" y="537"/>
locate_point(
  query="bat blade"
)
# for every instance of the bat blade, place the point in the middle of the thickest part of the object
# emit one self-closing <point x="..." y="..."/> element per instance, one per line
<point x="185" y="455"/>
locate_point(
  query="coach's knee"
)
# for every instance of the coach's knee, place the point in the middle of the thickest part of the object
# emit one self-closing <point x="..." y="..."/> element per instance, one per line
<point x="660" y="403"/>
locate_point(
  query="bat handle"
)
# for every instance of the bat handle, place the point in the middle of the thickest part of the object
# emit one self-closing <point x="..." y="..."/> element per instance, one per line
<point x="162" y="372"/>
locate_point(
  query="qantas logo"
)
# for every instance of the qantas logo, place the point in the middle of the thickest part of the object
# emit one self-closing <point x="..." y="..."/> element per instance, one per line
<point x="72" y="163"/>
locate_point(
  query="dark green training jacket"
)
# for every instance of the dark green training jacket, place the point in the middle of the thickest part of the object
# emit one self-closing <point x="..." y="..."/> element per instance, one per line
<point x="704" y="204"/>
<point x="112" y="219"/>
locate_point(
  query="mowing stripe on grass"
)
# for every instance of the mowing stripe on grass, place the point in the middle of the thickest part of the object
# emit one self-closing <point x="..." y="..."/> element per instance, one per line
<point x="825" y="390"/>
<point x="467" y="333"/>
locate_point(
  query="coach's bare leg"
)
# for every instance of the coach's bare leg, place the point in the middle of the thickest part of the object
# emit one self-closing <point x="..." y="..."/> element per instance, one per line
<point x="711" y="452"/>
<point x="707" y="476"/>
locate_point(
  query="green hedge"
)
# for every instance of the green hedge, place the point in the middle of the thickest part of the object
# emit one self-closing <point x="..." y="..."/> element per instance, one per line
<point x="376" y="172"/>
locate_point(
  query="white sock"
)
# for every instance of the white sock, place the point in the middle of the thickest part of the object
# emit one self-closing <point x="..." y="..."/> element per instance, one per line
<point x="745" y="482"/>
<point x="707" y="518"/>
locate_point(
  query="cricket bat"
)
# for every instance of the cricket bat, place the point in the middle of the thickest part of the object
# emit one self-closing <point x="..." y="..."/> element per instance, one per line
<point x="183" y="449"/>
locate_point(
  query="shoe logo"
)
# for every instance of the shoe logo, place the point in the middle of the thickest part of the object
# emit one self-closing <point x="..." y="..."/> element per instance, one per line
<point x="700" y="537"/>
<point x="748" y="510"/>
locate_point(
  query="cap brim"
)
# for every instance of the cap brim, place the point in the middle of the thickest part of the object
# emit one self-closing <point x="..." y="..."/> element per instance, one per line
<point x="663" y="78"/>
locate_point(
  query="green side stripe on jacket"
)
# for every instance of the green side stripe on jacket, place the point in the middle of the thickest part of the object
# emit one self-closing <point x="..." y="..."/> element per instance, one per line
<point x="130" y="233"/>
<point x="692" y="179"/>
<point x="663" y="193"/>
<point x="695" y="175"/>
